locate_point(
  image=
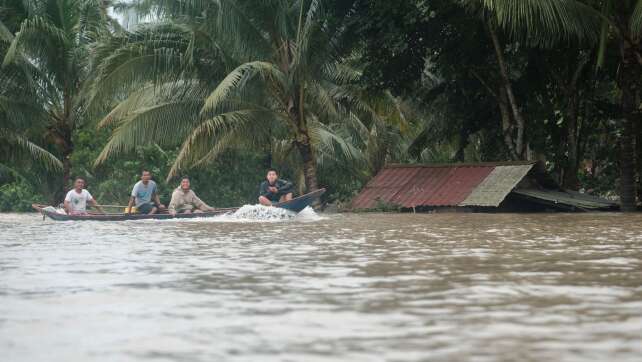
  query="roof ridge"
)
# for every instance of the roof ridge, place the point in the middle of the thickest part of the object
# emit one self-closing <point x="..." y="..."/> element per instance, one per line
<point x="462" y="164"/>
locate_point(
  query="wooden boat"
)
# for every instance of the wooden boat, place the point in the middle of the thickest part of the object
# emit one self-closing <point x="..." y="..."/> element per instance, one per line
<point x="296" y="204"/>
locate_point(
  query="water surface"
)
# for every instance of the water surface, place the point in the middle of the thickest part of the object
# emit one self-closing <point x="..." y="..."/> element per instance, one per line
<point x="348" y="287"/>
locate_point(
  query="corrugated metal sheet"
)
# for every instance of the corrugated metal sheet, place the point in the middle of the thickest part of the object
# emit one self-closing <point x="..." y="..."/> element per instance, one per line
<point x="441" y="186"/>
<point x="383" y="187"/>
<point x="568" y="198"/>
<point x="499" y="183"/>
<point x="438" y="185"/>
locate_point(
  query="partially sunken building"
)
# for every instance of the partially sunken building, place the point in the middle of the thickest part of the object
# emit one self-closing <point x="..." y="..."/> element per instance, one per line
<point x="500" y="186"/>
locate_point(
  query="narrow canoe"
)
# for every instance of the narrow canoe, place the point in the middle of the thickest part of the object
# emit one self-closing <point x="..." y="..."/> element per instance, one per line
<point x="296" y="205"/>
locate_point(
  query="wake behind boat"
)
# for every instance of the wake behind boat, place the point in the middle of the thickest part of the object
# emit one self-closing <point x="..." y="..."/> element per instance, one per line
<point x="297" y="204"/>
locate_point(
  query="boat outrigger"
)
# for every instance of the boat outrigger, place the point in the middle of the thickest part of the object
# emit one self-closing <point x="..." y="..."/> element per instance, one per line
<point x="297" y="204"/>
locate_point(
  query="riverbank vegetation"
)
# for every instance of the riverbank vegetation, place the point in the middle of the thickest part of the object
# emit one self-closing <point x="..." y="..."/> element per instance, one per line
<point x="327" y="91"/>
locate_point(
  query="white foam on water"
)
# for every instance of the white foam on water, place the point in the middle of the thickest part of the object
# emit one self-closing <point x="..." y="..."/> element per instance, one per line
<point x="259" y="213"/>
<point x="308" y="215"/>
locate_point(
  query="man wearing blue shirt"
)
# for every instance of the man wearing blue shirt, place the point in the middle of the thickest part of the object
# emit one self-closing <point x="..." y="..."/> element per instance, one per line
<point x="145" y="195"/>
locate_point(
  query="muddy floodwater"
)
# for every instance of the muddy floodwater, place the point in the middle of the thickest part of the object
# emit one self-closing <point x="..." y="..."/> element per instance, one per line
<point x="340" y="287"/>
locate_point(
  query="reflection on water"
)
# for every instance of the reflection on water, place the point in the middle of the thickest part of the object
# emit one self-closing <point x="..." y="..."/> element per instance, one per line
<point x="366" y="287"/>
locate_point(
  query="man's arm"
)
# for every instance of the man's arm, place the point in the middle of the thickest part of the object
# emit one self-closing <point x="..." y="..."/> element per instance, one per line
<point x="173" y="203"/>
<point x="199" y="204"/>
<point x="263" y="194"/>
<point x="287" y="187"/>
<point x="132" y="198"/>
<point x="95" y="204"/>
<point x="157" y="201"/>
<point x="67" y="206"/>
<point x="131" y="203"/>
<point x="263" y="189"/>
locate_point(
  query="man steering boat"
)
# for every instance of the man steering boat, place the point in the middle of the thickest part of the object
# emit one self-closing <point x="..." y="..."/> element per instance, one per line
<point x="274" y="190"/>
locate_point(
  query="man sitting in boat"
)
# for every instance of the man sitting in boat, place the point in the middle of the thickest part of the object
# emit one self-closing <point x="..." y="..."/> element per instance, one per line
<point x="145" y="195"/>
<point x="185" y="201"/>
<point x="77" y="198"/>
<point x="274" y="189"/>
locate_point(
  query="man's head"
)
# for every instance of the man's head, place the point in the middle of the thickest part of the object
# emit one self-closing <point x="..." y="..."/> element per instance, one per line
<point x="146" y="176"/>
<point x="272" y="175"/>
<point x="79" y="183"/>
<point x="185" y="183"/>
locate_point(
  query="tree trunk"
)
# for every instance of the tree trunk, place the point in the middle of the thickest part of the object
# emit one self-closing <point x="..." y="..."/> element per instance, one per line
<point x="571" y="181"/>
<point x="520" y="123"/>
<point x="628" y="81"/>
<point x="637" y="141"/>
<point x="309" y="161"/>
<point x="303" y="142"/>
<point x="507" y="124"/>
<point x="62" y="138"/>
<point x="460" y="154"/>
<point x="627" y="167"/>
<point x="571" y="91"/>
<point x="66" y="172"/>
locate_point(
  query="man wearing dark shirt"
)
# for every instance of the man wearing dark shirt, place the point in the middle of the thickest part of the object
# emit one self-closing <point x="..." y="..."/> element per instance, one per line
<point x="274" y="190"/>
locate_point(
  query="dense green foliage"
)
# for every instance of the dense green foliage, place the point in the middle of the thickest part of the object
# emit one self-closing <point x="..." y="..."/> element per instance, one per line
<point x="327" y="91"/>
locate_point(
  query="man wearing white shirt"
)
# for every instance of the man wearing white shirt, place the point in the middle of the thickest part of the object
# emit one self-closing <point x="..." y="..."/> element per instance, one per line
<point x="77" y="199"/>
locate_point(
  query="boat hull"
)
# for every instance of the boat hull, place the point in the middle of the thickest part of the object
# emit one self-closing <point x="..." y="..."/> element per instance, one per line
<point x="296" y="205"/>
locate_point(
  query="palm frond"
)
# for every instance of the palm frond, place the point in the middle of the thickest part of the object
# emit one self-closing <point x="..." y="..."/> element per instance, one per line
<point x="636" y="19"/>
<point x="545" y="22"/>
<point x="238" y="31"/>
<point x="20" y="146"/>
<point x="236" y="79"/>
<point x="165" y="123"/>
<point x="329" y="143"/>
<point x="5" y="33"/>
<point x="147" y="56"/>
<point x="205" y="137"/>
<point x="36" y="36"/>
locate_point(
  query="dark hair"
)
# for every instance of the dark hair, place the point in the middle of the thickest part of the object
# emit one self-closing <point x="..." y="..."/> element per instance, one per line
<point x="185" y="178"/>
<point x="273" y="170"/>
<point x="80" y="178"/>
<point x="145" y="170"/>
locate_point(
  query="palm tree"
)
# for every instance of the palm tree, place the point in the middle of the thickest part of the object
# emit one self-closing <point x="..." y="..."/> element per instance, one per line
<point x="15" y="120"/>
<point x="266" y="74"/>
<point x="46" y="67"/>
<point x="547" y="22"/>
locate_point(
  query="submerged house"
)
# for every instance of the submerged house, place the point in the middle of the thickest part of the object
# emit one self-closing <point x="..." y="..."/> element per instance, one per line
<point x="497" y="186"/>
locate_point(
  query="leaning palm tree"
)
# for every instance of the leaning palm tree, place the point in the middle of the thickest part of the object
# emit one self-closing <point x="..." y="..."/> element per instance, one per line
<point x="227" y="73"/>
<point x="547" y="22"/>
<point x="50" y="53"/>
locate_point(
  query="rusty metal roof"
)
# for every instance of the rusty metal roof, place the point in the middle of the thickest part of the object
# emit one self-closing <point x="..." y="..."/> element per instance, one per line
<point x="442" y="185"/>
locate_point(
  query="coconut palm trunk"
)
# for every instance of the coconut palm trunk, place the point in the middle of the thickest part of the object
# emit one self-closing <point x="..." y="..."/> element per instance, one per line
<point x="304" y="146"/>
<point x="303" y="141"/>
<point x="61" y="134"/>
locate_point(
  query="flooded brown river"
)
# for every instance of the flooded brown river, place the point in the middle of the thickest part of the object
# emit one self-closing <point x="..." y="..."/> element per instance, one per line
<point x="347" y="287"/>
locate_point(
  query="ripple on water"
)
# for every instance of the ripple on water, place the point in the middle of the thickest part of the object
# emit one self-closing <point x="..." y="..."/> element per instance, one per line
<point x="266" y="285"/>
